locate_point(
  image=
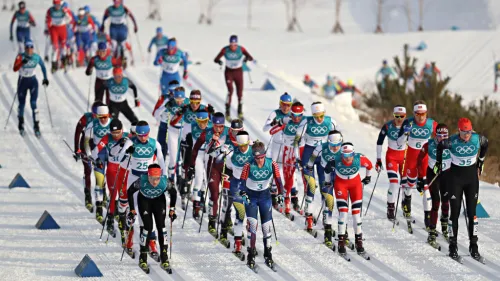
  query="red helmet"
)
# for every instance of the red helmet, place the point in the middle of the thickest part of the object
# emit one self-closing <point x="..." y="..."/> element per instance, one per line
<point x="57" y="2"/>
<point x="464" y="124"/>
<point x="297" y="108"/>
<point x="117" y="71"/>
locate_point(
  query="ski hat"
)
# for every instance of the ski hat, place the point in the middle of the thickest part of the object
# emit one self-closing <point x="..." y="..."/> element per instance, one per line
<point x="350" y="82"/>
<point x="399" y="109"/>
<point x="179" y="93"/>
<point x="159" y="30"/>
<point x="286" y="98"/>
<point x="102" y="46"/>
<point x="86" y="8"/>
<point x="142" y="129"/>
<point x="218" y="118"/>
<point x="384" y="62"/>
<point x="95" y="105"/>
<point x="236" y="125"/>
<point x="81" y="12"/>
<point x="172" y="43"/>
<point x="464" y="124"/>
<point x="347" y="149"/>
<point x="117" y="71"/>
<point x="172" y="85"/>
<point x="297" y="108"/>
<point x="115" y="125"/>
<point x="195" y="95"/>
<point x="442" y="130"/>
<point x="28" y="44"/>
<point x="420" y="108"/>
<point x="335" y="138"/>
<point x="317" y="107"/>
<point x="102" y="111"/>
<point x="258" y="150"/>
<point x="242" y="138"/>
<point x="201" y="116"/>
<point x="154" y="170"/>
<point x="22" y="5"/>
<point x="233" y="39"/>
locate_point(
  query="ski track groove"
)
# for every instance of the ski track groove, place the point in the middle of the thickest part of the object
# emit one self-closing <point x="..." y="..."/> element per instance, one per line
<point x="78" y="193"/>
<point x="79" y="93"/>
<point x="367" y="270"/>
<point x="67" y="94"/>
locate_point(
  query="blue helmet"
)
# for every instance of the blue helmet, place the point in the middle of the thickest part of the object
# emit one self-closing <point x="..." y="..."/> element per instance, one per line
<point x="65" y="5"/>
<point x="28" y="43"/>
<point x="86" y="8"/>
<point x="201" y="116"/>
<point x="233" y="39"/>
<point x="218" y="118"/>
<point x="159" y="30"/>
<point x="172" y="43"/>
<point x="102" y="46"/>
<point x="179" y="94"/>
<point x="142" y="129"/>
<point x="286" y="98"/>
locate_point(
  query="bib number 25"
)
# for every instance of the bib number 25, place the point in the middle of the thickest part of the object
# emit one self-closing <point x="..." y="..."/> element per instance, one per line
<point x="142" y="166"/>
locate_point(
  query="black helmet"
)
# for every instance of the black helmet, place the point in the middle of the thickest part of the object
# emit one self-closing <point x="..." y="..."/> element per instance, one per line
<point x="22" y="5"/>
<point x="115" y="125"/>
<point x="236" y="124"/>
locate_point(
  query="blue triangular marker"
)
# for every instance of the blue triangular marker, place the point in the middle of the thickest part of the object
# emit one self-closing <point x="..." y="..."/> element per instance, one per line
<point x="480" y="211"/>
<point x="18" y="181"/>
<point x="245" y="67"/>
<point x="46" y="221"/>
<point x="268" y="86"/>
<point x="87" y="268"/>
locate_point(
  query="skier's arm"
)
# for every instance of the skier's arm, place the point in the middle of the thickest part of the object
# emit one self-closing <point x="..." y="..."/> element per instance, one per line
<point x="184" y="61"/>
<point x="248" y="57"/>
<point x="176" y="118"/>
<point x="172" y="192"/>
<point x="199" y="142"/>
<point x="402" y="138"/>
<point x="42" y="66"/>
<point x="160" y="101"/>
<point x="380" y="140"/>
<point x="48" y="19"/>
<point x="86" y="145"/>
<point x="80" y="126"/>
<point x="102" y="144"/>
<point x="244" y="176"/>
<point x="269" y="120"/>
<point x="366" y="163"/>
<point x="136" y="186"/>
<point x="158" y="58"/>
<point x="18" y="63"/>
<point x="88" y="71"/>
<point x="314" y="155"/>
<point x="219" y="55"/>
<point x="104" y="18"/>
<point x="129" y="13"/>
<point x="132" y="86"/>
<point x="298" y="137"/>
<point x="12" y="23"/>
<point x="229" y="163"/>
<point x="483" y="142"/>
<point x="422" y="173"/>
<point x="127" y="144"/>
<point x="157" y="113"/>
<point x="277" y="177"/>
<point x="151" y="44"/>
<point x="160" y="158"/>
<point x="334" y="125"/>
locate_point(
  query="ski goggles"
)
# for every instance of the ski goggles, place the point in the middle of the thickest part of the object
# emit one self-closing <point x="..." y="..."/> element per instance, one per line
<point x="102" y="116"/>
<point x="348" y="154"/>
<point x="420" y="114"/>
<point x="319" y="115"/>
<point x="335" y="144"/>
<point x="260" y="156"/>
<point x="399" y="116"/>
<point x="297" y="115"/>
<point x="466" y="132"/>
<point x="194" y="101"/>
<point x="287" y="103"/>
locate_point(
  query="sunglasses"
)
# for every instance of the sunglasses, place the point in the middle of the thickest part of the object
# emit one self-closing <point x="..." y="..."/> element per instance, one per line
<point x="154" y="178"/>
<point x="420" y="114"/>
<point x="142" y="135"/>
<point x="335" y="144"/>
<point x="115" y="133"/>
<point x="399" y="116"/>
<point x="258" y="157"/>
<point x="319" y="115"/>
<point x="29" y="47"/>
<point x="286" y="103"/>
<point x="466" y="132"/>
<point x="102" y="116"/>
<point x="348" y="155"/>
<point x="194" y="102"/>
<point x="202" y="120"/>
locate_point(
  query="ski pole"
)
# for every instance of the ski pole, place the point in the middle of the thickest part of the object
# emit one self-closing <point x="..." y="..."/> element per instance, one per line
<point x="399" y="192"/>
<point x="465" y="216"/>
<point x="171" y="239"/>
<point x="10" y="111"/>
<point x="220" y="199"/>
<point x="48" y="106"/>
<point x="320" y="210"/>
<point x="88" y="95"/>
<point x="274" y="228"/>
<point x="373" y="191"/>
<point x="131" y="230"/>
<point x="205" y="199"/>
<point x="187" y="205"/>
<point x="140" y="47"/>
<point x="250" y="77"/>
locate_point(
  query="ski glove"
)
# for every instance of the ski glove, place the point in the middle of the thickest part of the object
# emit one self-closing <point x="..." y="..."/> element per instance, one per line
<point x="99" y="164"/>
<point x="437" y="168"/>
<point x="171" y="214"/>
<point x="480" y="164"/>
<point x="328" y="185"/>
<point x="135" y="29"/>
<point x="378" y="165"/>
<point x="130" y="150"/>
<point x="11" y="38"/>
<point x="190" y="173"/>
<point x="298" y="164"/>
<point x="219" y="62"/>
<point x="45" y="82"/>
<point x="280" y="199"/>
<point x="24" y="61"/>
<point x="76" y="155"/>
<point x="171" y="103"/>
<point x="420" y="185"/>
<point x="245" y="198"/>
<point x="367" y="180"/>
<point x="210" y="109"/>
<point x="185" y="75"/>
<point x="46" y="32"/>
<point x="131" y="218"/>
<point x="137" y="103"/>
<point x="407" y="129"/>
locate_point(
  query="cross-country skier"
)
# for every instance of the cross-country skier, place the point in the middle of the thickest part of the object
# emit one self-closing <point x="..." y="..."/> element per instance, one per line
<point x="385" y="73"/>
<point x="173" y="107"/>
<point x="103" y="64"/>
<point x="150" y="200"/>
<point x="314" y="131"/>
<point x="235" y="161"/>
<point x="394" y="157"/>
<point x="141" y="151"/>
<point x="170" y="60"/>
<point x="235" y="56"/>
<point x="438" y="189"/>
<point x="57" y="19"/>
<point x="348" y="185"/>
<point x="79" y="143"/>
<point x="287" y="126"/>
<point x="95" y="131"/>
<point x="160" y="41"/>
<point x="163" y="116"/>
<point x="255" y="179"/>
<point x="84" y="28"/>
<point x="118" y="88"/>
<point x="468" y="150"/>
<point x="26" y="64"/>
<point x="413" y="134"/>
<point x="118" y="29"/>
<point x="97" y="26"/>
<point x="276" y="119"/>
<point x="24" y="21"/>
<point x="326" y="152"/>
<point x="197" y="169"/>
<point x="106" y="159"/>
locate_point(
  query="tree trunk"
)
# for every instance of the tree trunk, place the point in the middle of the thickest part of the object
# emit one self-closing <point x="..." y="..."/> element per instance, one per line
<point x="379" y="17"/>
<point x="201" y="18"/>
<point x="408" y="14"/>
<point x="421" y="15"/>
<point x="337" y="28"/>
<point x="249" y="14"/>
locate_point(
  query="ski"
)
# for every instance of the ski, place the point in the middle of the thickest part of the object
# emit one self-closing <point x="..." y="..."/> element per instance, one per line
<point x="90" y="207"/>
<point x="166" y="267"/>
<point x="112" y="233"/>
<point x="155" y="256"/>
<point x="364" y="255"/>
<point x="38" y="134"/>
<point x="434" y="245"/>
<point x="254" y="268"/>
<point x="331" y="247"/>
<point x="408" y="223"/>
<point x="345" y="256"/>
<point x="239" y="255"/>
<point x="144" y="267"/>
<point x="313" y="232"/>
<point x="288" y="216"/>
<point x="130" y="252"/>
<point x="271" y="265"/>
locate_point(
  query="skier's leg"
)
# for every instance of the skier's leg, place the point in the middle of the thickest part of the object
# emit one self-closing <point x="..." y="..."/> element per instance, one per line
<point x="22" y="92"/>
<point x="288" y="172"/>
<point x="228" y="75"/>
<point x="114" y="109"/>
<point x="239" y="208"/>
<point x="252" y="222"/>
<point x="436" y="200"/>
<point x="145" y="213"/>
<point x="471" y="193"/>
<point x="160" y="213"/>
<point x="266" y="216"/>
<point x="456" y="192"/>
<point x="128" y="112"/>
<point x="214" y="185"/>
<point x="340" y="187"/>
<point x="162" y="138"/>
<point x="238" y="80"/>
<point x="173" y="145"/>
<point x="445" y="197"/>
<point x="311" y="182"/>
<point x="356" y="195"/>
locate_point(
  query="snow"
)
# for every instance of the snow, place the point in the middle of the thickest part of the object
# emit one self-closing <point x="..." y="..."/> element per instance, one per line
<point x="283" y="58"/>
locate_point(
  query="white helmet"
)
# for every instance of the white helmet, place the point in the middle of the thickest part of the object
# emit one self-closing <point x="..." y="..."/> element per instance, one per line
<point x="242" y="138"/>
<point x="335" y="138"/>
<point x="317" y="107"/>
<point x="102" y="110"/>
<point x="347" y="148"/>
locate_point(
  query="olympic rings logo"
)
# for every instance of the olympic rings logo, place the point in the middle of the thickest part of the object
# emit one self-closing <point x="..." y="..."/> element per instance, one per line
<point x="190" y="118"/>
<point x="101" y="132"/>
<point x="446" y="153"/>
<point x="241" y="159"/>
<point x="30" y="63"/>
<point x="152" y="192"/>
<point x="394" y="134"/>
<point x="319" y="130"/>
<point x="102" y="64"/>
<point x="261" y="174"/>
<point x="328" y="157"/>
<point x="232" y="55"/>
<point x="292" y="129"/>
<point x="170" y="59"/>
<point x="347" y="170"/>
<point x="419" y="132"/>
<point x="144" y="150"/>
<point x="465" y="149"/>
<point x="118" y="89"/>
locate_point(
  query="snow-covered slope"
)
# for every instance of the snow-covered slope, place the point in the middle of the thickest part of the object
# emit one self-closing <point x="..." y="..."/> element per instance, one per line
<point x="29" y="254"/>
